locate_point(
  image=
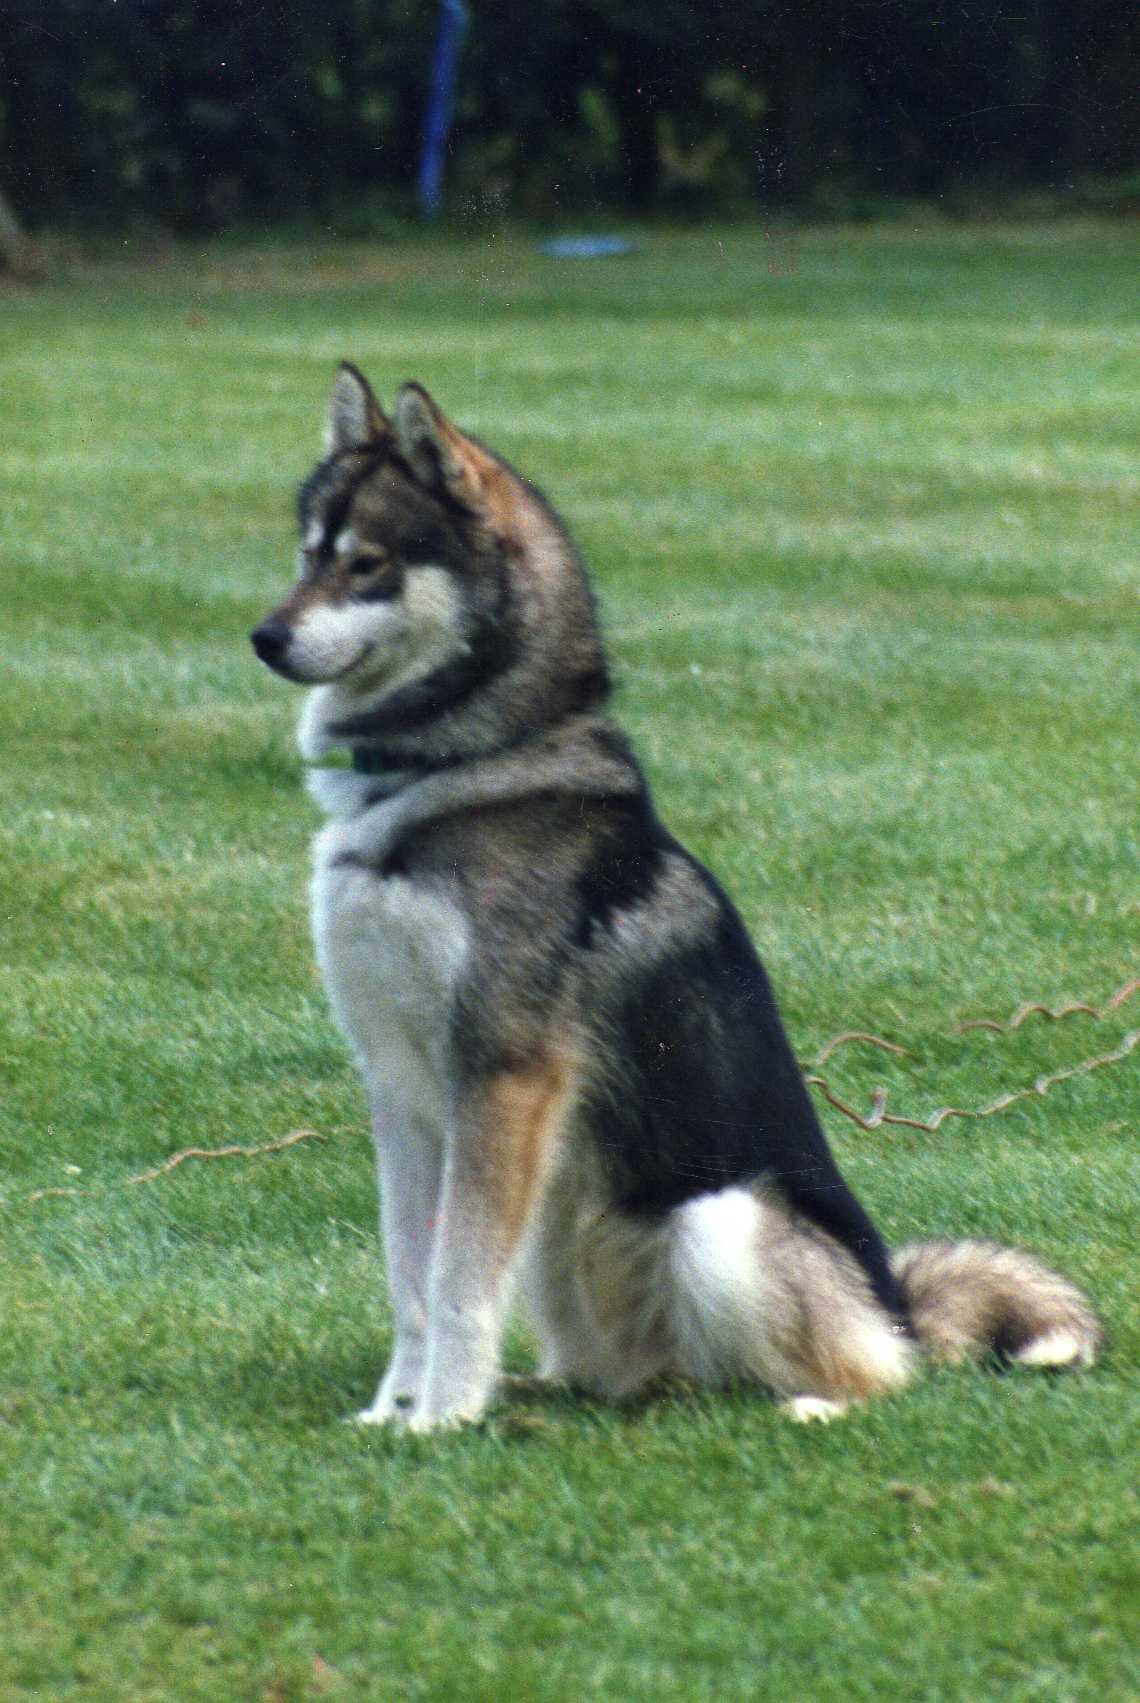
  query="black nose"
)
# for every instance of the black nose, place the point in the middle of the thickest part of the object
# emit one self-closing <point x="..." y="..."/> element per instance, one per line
<point x="270" y="640"/>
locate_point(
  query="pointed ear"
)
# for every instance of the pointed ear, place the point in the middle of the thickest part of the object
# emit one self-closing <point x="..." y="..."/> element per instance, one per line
<point x="355" y="416"/>
<point x="438" y="453"/>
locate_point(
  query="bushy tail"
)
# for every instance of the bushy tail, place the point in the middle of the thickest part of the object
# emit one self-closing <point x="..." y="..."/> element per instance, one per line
<point x="972" y="1299"/>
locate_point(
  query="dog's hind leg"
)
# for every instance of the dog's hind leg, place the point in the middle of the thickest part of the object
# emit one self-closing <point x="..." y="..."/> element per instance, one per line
<point x="497" y="1163"/>
<point x="552" y="1287"/>
<point x="757" y="1293"/>
<point x="594" y="1289"/>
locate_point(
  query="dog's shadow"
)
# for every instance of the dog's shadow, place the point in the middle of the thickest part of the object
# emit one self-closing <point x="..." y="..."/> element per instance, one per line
<point x="256" y="1385"/>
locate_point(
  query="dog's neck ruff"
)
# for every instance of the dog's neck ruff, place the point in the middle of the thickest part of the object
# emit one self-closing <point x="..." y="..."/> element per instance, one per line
<point x="581" y="759"/>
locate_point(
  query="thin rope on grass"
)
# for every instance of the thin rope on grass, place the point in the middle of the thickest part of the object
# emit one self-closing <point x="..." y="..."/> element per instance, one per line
<point x="875" y="1118"/>
<point x="1023" y="1011"/>
<point x="226" y="1153"/>
<point x="1069" y="1010"/>
<point x="878" y="1115"/>
<point x="175" y="1159"/>
<point x="850" y="1035"/>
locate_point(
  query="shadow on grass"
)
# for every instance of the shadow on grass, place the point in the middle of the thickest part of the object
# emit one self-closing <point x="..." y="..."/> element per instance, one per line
<point x="329" y="1387"/>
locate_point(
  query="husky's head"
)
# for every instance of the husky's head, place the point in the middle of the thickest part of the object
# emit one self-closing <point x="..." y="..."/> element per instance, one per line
<point x="440" y="602"/>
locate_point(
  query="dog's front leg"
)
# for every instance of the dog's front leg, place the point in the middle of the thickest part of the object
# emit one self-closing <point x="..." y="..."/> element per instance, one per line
<point x="503" y="1141"/>
<point x="409" y="1164"/>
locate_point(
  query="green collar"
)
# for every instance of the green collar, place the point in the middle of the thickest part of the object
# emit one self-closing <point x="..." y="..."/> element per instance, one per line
<point x="359" y="761"/>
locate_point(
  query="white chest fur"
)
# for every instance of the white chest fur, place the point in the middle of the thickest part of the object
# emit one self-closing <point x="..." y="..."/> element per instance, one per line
<point x="391" y="953"/>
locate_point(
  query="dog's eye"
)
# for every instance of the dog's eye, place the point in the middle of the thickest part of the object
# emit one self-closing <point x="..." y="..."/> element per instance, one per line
<point x="364" y="565"/>
<point x="425" y="544"/>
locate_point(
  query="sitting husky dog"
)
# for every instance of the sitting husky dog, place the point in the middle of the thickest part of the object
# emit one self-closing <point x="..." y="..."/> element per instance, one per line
<point x="576" y="1070"/>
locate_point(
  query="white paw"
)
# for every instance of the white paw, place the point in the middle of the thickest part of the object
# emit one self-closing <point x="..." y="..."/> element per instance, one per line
<point x="422" y="1422"/>
<point x="806" y="1410"/>
<point x="391" y="1410"/>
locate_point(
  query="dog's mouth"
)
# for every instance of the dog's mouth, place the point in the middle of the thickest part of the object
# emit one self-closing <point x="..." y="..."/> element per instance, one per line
<point x="358" y="662"/>
<point x="281" y="667"/>
<point x="271" y="643"/>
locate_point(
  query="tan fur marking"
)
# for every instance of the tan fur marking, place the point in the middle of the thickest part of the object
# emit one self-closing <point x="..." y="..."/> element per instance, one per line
<point x="855" y="1366"/>
<point x="525" y="1111"/>
<point x="833" y="1338"/>
<point x="479" y="479"/>
<point x="484" y="482"/>
<point x="842" y="1355"/>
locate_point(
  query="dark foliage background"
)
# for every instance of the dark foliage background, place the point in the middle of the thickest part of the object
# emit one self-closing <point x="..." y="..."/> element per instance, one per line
<point x="195" y="114"/>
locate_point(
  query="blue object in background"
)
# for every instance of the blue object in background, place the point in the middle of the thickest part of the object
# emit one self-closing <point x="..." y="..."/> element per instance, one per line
<point x="453" y="19"/>
<point x="586" y="248"/>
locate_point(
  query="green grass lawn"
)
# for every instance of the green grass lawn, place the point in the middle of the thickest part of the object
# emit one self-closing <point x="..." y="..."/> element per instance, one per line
<point x="862" y="510"/>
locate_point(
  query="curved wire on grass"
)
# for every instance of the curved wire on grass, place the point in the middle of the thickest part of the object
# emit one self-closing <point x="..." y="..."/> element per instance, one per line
<point x="1068" y="1010"/>
<point x="879" y="1115"/>
<point x="1026" y="1009"/>
<point x="850" y="1035"/>
<point x="234" y="1152"/>
<point x="876" y="1117"/>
